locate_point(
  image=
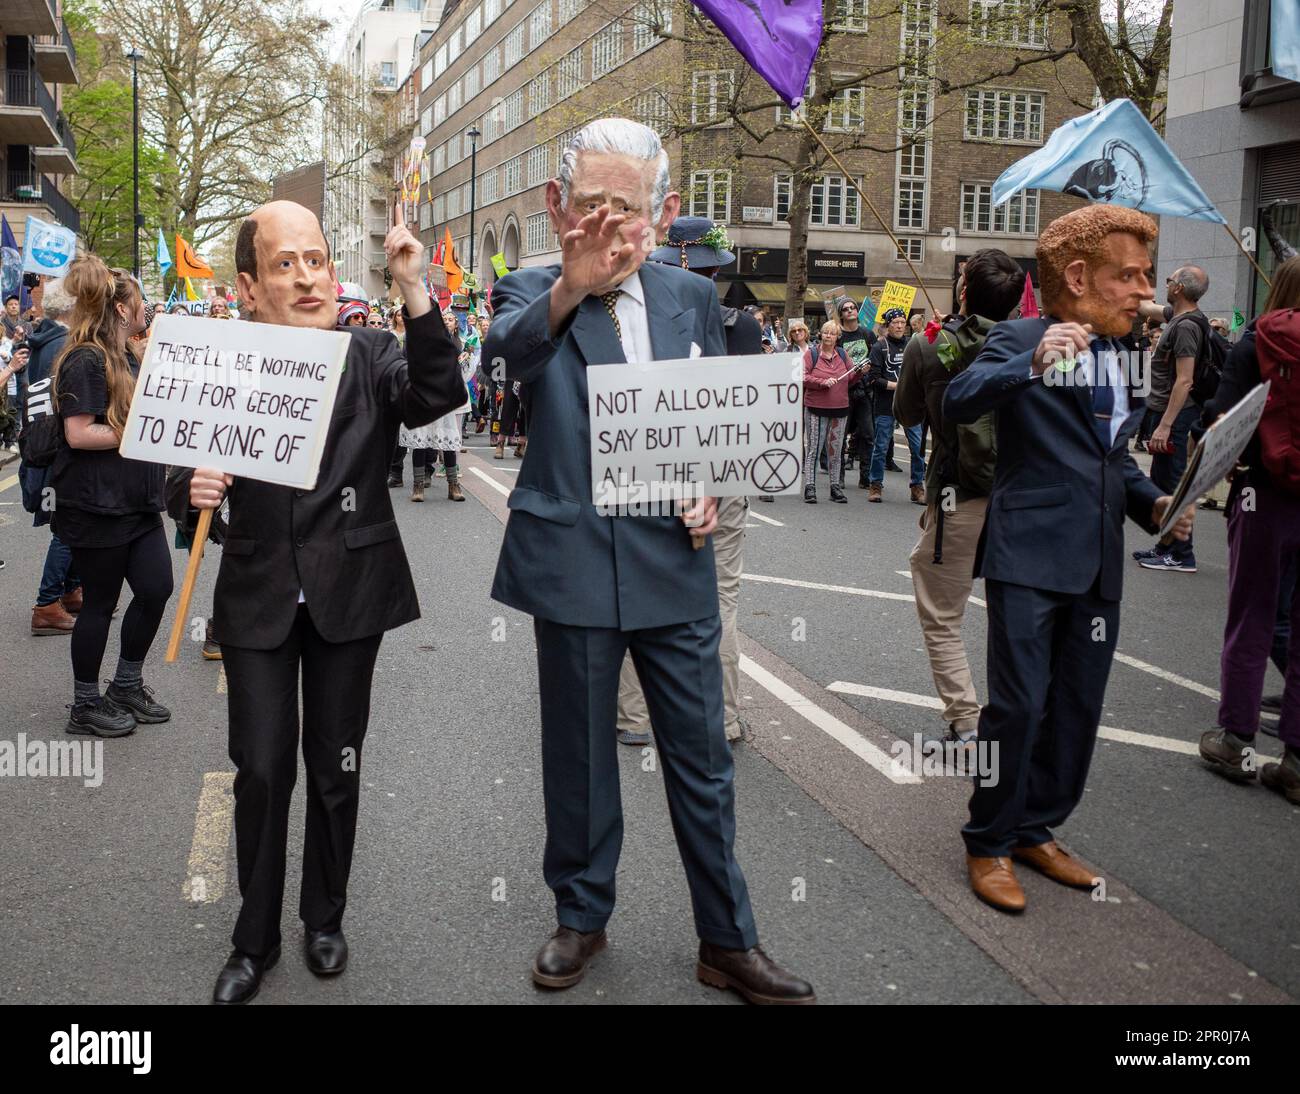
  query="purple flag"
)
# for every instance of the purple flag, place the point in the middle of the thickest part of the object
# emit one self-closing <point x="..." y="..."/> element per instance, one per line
<point x="779" y="38"/>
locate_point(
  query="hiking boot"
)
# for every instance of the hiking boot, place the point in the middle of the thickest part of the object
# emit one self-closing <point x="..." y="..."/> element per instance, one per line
<point x="918" y="495"/>
<point x="1226" y="753"/>
<point x="837" y="495"/>
<point x="875" y="491"/>
<point x="52" y="619"/>
<point x="521" y="448"/>
<point x="454" y="492"/>
<point x="139" y="701"/>
<point x="417" y="491"/>
<point x="810" y="495"/>
<point x="102" y="718"/>
<point x="1284" y="777"/>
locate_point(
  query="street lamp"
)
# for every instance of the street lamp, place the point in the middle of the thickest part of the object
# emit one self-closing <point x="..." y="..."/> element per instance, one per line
<point x="134" y="57"/>
<point x="473" y="135"/>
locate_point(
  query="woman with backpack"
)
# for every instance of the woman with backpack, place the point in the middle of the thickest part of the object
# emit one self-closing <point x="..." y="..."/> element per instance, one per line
<point x="1263" y="514"/>
<point x="826" y="371"/>
<point x="107" y="508"/>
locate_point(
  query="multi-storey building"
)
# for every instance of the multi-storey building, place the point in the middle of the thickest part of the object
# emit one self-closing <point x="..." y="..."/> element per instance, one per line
<point x="374" y="63"/>
<point x="37" y="149"/>
<point x="948" y="94"/>
<point x="1236" y="126"/>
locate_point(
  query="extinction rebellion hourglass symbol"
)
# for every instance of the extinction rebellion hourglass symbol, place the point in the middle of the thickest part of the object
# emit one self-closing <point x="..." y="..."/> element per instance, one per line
<point x="775" y="470"/>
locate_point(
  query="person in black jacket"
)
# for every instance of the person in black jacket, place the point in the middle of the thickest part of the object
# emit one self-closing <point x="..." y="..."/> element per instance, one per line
<point x="886" y="358"/>
<point x="309" y="585"/>
<point x="107" y="507"/>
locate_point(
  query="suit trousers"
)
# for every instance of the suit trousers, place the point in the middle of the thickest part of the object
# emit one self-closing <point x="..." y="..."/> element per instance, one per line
<point x="578" y="669"/>
<point x="941" y="593"/>
<point x="1049" y="656"/>
<point x="729" y="560"/>
<point x="263" y="696"/>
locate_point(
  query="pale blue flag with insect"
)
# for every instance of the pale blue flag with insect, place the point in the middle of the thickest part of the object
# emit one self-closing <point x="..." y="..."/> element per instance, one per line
<point x="1114" y="157"/>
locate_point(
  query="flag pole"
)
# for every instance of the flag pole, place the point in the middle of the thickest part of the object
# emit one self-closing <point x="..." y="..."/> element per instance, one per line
<point x="1250" y="257"/>
<point x="879" y="219"/>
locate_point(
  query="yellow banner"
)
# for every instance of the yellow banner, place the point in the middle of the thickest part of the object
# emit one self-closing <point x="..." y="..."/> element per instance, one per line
<point x="499" y="264"/>
<point x="895" y="295"/>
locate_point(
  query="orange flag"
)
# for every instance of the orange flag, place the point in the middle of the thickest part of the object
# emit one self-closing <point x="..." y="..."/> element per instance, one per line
<point x="188" y="264"/>
<point x="449" y="263"/>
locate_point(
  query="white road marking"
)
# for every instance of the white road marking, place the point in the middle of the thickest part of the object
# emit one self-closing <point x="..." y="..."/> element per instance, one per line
<point x="6" y="483"/>
<point x="490" y="481"/>
<point x="877" y="593"/>
<point x="205" y="874"/>
<point x="972" y="600"/>
<point x="846" y="735"/>
<point x="765" y="520"/>
<point x="221" y="680"/>
<point x="1163" y="674"/>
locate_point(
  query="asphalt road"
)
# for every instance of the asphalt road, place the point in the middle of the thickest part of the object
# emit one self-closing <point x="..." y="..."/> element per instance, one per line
<point x="125" y="892"/>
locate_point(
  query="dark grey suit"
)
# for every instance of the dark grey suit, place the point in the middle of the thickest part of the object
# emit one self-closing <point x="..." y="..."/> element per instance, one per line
<point x="598" y="586"/>
<point x="1052" y="556"/>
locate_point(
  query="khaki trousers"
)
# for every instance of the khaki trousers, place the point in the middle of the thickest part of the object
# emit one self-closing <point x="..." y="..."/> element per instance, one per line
<point x="941" y="595"/>
<point x="729" y="559"/>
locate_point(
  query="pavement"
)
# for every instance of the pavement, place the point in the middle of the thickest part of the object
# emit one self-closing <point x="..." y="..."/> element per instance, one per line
<point x="125" y="891"/>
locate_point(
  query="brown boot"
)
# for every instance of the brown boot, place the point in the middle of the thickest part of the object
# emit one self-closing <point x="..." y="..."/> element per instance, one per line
<point x="754" y="975"/>
<point x="499" y="451"/>
<point x="51" y="619"/>
<point x="1052" y="861"/>
<point x="918" y="495"/>
<point x="994" y="882"/>
<point x="563" y="961"/>
<point x="874" y="491"/>
<point x="72" y="601"/>
<point x="521" y="448"/>
<point x="454" y="492"/>
<point x="417" y="489"/>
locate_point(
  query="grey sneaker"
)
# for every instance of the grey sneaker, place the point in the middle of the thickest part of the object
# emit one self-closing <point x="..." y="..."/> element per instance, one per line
<point x="636" y="740"/>
<point x="1284" y="777"/>
<point x="1226" y="753"/>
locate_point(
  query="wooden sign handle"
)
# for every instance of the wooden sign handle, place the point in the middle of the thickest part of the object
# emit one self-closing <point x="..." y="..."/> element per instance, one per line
<point x="187" y="588"/>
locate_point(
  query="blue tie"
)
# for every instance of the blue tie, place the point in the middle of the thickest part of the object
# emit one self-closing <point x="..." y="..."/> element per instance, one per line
<point x="1103" y="395"/>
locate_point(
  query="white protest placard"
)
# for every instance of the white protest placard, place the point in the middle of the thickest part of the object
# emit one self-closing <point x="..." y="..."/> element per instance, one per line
<point x="1218" y="452"/>
<point x="677" y="430"/>
<point x="251" y="399"/>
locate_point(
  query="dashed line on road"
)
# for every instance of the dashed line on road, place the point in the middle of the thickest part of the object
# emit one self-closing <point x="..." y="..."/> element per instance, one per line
<point x="205" y="874"/>
<point x="1164" y="674"/>
<point x="765" y="520"/>
<point x="879" y="594"/>
<point x="490" y="481"/>
<point x="827" y="723"/>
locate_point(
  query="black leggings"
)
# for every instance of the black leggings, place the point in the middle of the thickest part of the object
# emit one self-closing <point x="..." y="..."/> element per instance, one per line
<point x="146" y="565"/>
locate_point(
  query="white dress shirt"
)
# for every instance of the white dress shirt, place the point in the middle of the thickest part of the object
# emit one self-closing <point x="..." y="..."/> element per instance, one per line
<point x="632" y="321"/>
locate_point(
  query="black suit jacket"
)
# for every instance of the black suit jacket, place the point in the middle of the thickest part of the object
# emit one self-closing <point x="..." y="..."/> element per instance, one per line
<point x="1056" y="514"/>
<point x="338" y="543"/>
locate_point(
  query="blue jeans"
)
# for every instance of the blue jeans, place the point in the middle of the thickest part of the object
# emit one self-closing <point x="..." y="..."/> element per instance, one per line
<point x="1167" y="467"/>
<point x="884" y="434"/>
<point x="59" y="576"/>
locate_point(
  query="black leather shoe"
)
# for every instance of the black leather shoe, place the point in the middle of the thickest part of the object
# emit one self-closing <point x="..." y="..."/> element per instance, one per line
<point x="837" y="494"/>
<point x="242" y="975"/>
<point x="753" y="974"/>
<point x="563" y="961"/>
<point x="327" y="952"/>
<point x="141" y="704"/>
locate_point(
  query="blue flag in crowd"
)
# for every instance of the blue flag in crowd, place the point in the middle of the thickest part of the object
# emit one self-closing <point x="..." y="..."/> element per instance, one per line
<point x="1284" y="32"/>
<point x="163" y="256"/>
<point x="11" y="262"/>
<point x="50" y="248"/>
<point x="1112" y="156"/>
<point x="779" y="38"/>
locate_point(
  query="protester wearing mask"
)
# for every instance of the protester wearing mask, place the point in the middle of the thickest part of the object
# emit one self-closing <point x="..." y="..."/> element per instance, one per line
<point x="886" y="360"/>
<point x="108" y="507"/>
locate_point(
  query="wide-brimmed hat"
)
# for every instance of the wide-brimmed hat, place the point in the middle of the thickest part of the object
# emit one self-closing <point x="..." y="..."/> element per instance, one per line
<point x="694" y="243"/>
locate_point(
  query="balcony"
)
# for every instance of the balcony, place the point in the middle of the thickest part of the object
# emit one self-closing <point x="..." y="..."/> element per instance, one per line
<point x="26" y="187"/>
<point x="27" y="114"/>
<point x="30" y="17"/>
<point x="61" y="158"/>
<point x="56" y="57"/>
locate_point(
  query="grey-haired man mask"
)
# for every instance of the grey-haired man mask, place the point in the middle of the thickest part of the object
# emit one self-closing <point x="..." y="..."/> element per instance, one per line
<point x="599" y="585"/>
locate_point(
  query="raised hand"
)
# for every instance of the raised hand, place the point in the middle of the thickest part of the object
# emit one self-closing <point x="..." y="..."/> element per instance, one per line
<point x="595" y="258"/>
<point x="1060" y="342"/>
<point x="406" y="262"/>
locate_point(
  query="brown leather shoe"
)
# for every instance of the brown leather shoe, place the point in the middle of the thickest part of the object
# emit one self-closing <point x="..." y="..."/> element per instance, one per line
<point x="1050" y="859"/>
<point x="563" y="961"/>
<point x="994" y="882"/>
<point x="72" y="601"/>
<point x="51" y="619"/>
<point x="918" y="495"/>
<point x="753" y="974"/>
<point x="874" y="491"/>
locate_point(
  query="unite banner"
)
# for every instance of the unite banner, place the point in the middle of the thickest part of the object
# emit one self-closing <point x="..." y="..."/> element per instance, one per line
<point x="252" y="399"/>
<point x="677" y="430"/>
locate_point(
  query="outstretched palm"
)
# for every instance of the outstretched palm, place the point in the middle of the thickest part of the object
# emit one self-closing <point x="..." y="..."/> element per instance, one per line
<point x="595" y="256"/>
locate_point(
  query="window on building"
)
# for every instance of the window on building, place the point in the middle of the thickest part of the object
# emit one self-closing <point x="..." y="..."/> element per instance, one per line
<point x="711" y="95"/>
<point x="491" y="9"/>
<point x="606" y="50"/>
<point x="489" y="186"/>
<point x="1016" y="217"/>
<point x="514" y="176"/>
<point x="998" y="115"/>
<point x="847" y="112"/>
<point x="426" y="74"/>
<point x="455" y="45"/>
<point x="539" y="165"/>
<point x="784" y="116"/>
<point x="910" y="212"/>
<point x="711" y="195"/>
<point x="539" y="24"/>
<point x="569" y="9"/>
<point x="537" y="233"/>
<point x="453" y="203"/>
<point x="491" y="66"/>
<point x="568" y="74"/>
<point x="832" y="201"/>
<point x="426" y="120"/>
<point x="440" y="159"/>
<point x="539" y="94"/>
<point x="651" y="108"/>
<point x="916" y="48"/>
<point x="439" y="209"/>
<point x="850" y="15"/>
<point x="512" y="111"/>
<point x="426" y="216"/>
<point x="514" y="46"/>
<point x="453" y="98"/>
<point x="913" y="248"/>
<point x="646" y="17"/>
<point x="1009" y="23"/>
<point x="473" y="25"/>
<point x="470" y="84"/>
<point x="914" y="108"/>
<point x="453" y="150"/>
<point x="440" y="61"/>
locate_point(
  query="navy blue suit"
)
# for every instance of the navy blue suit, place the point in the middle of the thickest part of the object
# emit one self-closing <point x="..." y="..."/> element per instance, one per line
<point x="598" y="586"/>
<point x="1052" y="556"/>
